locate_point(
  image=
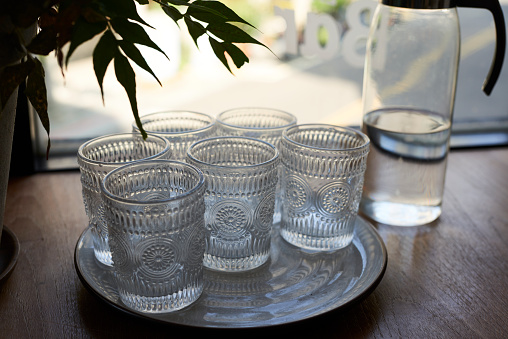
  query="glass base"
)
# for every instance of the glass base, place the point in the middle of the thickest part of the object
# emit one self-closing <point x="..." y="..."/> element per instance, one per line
<point x="316" y="243"/>
<point x="397" y="214"/>
<point x="237" y="264"/>
<point x="102" y="251"/>
<point x="162" y="304"/>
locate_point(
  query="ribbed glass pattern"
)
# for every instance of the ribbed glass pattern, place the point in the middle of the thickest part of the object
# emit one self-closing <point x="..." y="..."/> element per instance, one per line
<point x="98" y="157"/>
<point x="155" y="216"/>
<point x="322" y="181"/>
<point x="255" y="122"/>
<point x="180" y="128"/>
<point x="241" y="175"/>
<point x="261" y="123"/>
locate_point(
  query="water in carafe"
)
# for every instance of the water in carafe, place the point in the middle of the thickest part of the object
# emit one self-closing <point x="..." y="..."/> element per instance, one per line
<point x="405" y="142"/>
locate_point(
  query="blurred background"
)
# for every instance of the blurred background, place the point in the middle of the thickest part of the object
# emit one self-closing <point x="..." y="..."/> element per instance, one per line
<point x="314" y="72"/>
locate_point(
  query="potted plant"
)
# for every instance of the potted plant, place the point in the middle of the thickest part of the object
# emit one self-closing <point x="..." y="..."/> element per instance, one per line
<point x="34" y="27"/>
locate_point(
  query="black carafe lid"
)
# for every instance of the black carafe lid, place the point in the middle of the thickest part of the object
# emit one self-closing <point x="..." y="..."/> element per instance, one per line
<point x="421" y="4"/>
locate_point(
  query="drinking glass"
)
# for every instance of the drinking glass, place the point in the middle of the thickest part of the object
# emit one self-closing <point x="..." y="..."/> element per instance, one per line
<point x="322" y="180"/>
<point x="98" y="157"/>
<point x="257" y="122"/>
<point x="180" y="128"/>
<point x="241" y="175"/>
<point x="154" y="210"/>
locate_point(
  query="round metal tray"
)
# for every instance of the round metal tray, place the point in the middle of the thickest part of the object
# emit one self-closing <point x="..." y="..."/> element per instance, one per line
<point x="293" y="285"/>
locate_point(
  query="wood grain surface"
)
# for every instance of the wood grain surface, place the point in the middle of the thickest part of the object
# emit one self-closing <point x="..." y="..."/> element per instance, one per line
<point x="448" y="279"/>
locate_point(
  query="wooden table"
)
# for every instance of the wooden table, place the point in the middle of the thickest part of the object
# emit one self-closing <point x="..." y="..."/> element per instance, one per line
<point x="448" y="279"/>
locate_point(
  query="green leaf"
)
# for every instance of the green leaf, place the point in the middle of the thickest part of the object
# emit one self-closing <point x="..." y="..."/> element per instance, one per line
<point x="36" y="93"/>
<point x="178" y="2"/>
<point x="44" y="42"/>
<point x="103" y="53"/>
<point x="231" y="33"/>
<point x="188" y="4"/>
<point x="127" y="78"/>
<point x="134" y="33"/>
<point x="84" y="31"/>
<point x="173" y="13"/>
<point x="195" y="29"/>
<point x="135" y="55"/>
<point x="220" y="51"/>
<point x="238" y="56"/>
<point x="122" y="9"/>
<point x="227" y="14"/>
<point x="12" y="77"/>
<point x="91" y="15"/>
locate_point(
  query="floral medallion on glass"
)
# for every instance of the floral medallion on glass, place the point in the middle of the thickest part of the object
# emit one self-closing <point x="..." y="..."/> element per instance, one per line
<point x="263" y="215"/>
<point x="334" y="198"/>
<point x="231" y="219"/>
<point x="195" y="245"/>
<point x="157" y="257"/>
<point x="120" y="251"/>
<point x="297" y="193"/>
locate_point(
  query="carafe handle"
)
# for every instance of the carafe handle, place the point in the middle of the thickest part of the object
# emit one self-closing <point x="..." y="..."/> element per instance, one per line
<point x="497" y="62"/>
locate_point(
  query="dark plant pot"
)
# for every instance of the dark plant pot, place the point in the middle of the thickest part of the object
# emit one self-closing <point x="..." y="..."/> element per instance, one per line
<point x="7" y="118"/>
<point x="7" y="121"/>
<point x="9" y="246"/>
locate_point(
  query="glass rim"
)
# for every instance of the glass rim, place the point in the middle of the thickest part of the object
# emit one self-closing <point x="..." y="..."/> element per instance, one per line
<point x="83" y="158"/>
<point x="204" y="128"/>
<point x="196" y="187"/>
<point x="222" y="122"/>
<point x="259" y="141"/>
<point x="360" y="134"/>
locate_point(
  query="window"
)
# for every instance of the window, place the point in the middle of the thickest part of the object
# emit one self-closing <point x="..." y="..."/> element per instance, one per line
<point x="315" y="72"/>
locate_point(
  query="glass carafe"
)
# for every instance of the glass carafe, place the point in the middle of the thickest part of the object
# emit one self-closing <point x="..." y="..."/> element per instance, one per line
<point x="409" y="87"/>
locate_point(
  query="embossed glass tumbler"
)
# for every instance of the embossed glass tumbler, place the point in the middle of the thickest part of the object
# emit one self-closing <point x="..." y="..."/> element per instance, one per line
<point x="155" y="215"/>
<point x="257" y="122"/>
<point x="180" y="128"/>
<point x="241" y="175"/>
<point x="322" y="181"/>
<point x="98" y="157"/>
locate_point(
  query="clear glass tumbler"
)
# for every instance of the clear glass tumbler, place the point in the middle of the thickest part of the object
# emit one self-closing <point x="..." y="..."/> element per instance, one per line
<point x="257" y="122"/>
<point x="98" y="157"/>
<point x="241" y="175"/>
<point x="180" y="128"/>
<point x="155" y="215"/>
<point x="322" y="181"/>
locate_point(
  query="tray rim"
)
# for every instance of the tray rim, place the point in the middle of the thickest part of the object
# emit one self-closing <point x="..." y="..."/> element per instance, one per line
<point x="157" y="317"/>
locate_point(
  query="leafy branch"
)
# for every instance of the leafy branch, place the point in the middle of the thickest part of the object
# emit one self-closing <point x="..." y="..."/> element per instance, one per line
<point x="120" y="27"/>
<point x="213" y="18"/>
